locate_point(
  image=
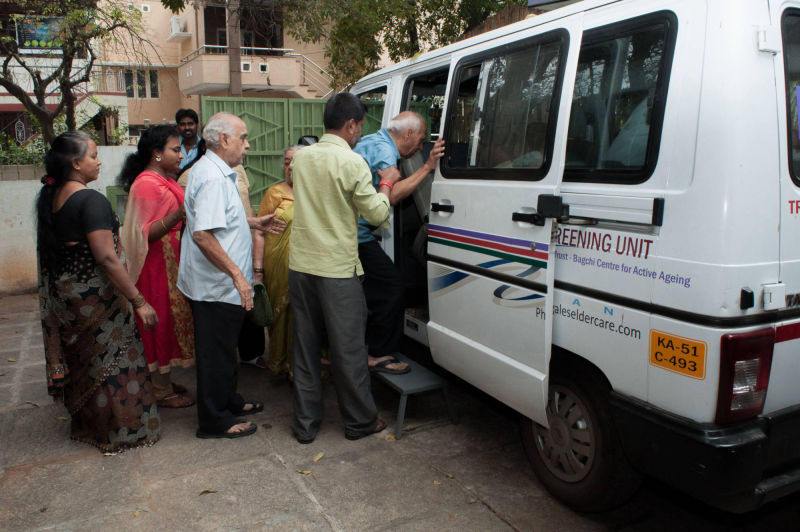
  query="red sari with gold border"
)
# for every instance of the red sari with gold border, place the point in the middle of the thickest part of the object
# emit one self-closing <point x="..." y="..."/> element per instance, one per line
<point x="153" y="266"/>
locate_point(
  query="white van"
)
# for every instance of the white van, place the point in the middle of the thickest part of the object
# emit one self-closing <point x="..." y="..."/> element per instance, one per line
<point x="613" y="239"/>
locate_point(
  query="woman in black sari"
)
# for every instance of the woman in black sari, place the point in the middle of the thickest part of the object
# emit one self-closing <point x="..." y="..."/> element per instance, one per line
<point x="94" y="356"/>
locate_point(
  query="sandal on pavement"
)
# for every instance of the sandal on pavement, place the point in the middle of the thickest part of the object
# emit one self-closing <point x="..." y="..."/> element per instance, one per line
<point x="257" y="362"/>
<point x="227" y="434"/>
<point x="383" y="367"/>
<point x="175" y="401"/>
<point x="379" y="426"/>
<point x="257" y="407"/>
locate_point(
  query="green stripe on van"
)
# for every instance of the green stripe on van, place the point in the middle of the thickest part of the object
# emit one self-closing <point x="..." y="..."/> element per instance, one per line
<point x="488" y="251"/>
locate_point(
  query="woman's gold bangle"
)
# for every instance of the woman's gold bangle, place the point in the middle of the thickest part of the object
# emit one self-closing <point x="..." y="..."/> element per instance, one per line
<point x="138" y="301"/>
<point x="258" y="270"/>
<point x="164" y="225"/>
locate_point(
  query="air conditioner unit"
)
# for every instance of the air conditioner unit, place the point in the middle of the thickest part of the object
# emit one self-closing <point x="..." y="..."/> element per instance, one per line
<point x="263" y="68"/>
<point x="175" y="25"/>
<point x="246" y="66"/>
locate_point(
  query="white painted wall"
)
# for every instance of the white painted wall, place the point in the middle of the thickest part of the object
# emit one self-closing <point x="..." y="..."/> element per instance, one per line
<point x="18" y="269"/>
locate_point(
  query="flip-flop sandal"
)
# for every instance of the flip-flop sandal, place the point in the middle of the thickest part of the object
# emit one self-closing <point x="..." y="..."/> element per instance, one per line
<point x="258" y="406"/>
<point x="225" y="434"/>
<point x="379" y="426"/>
<point x="257" y="362"/>
<point x="175" y="401"/>
<point x="382" y="367"/>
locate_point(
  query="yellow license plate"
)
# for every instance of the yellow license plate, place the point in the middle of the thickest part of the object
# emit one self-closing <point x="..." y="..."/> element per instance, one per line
<point x="678" y="354"/>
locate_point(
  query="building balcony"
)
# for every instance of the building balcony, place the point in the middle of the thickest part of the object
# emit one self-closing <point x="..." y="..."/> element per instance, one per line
<point x="206" y="70"/>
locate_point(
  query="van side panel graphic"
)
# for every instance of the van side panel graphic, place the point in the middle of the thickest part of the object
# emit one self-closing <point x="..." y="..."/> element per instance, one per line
<point x="512" y="249"/>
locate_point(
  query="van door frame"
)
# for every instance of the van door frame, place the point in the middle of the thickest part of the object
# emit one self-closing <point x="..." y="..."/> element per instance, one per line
<point x="518" y="380"/>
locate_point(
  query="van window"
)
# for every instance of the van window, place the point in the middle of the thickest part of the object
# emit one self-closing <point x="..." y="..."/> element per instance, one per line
<point x="618" y="101"/>
<point x="424" y="94"/>
<point x="375" y="100"/>
<point x="791" y="58"/>
<point x="499" y="119"/>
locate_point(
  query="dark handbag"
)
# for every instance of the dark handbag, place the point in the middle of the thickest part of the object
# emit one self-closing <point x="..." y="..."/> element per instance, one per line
<point x="261" y="313"/>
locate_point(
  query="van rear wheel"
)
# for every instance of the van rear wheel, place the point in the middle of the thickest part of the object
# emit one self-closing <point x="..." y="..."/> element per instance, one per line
<point x="579" y="459"/>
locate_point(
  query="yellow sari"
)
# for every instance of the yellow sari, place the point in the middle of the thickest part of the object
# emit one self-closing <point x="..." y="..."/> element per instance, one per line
<point x="280" y="200"/>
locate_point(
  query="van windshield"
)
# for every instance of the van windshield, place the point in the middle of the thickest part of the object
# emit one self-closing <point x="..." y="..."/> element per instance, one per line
<point x="791" y="54"/>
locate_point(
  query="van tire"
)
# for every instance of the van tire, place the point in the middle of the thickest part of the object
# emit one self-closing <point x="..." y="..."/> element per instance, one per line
<point x="597" y="479"/>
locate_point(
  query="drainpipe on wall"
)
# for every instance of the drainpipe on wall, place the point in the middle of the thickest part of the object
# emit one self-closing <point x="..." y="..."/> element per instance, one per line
<point x="234" y="49"/>
<point x="197" y="28"/>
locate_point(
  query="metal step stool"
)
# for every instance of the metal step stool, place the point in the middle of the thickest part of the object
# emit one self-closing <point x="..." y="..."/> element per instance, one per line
<point x="419" y="379"/>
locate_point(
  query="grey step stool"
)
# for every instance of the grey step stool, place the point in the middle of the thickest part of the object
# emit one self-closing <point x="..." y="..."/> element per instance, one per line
<point x="419" y="379"/>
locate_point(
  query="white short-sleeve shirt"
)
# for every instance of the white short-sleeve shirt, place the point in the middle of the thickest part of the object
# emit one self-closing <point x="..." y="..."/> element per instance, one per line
<point x="212" y="204"/>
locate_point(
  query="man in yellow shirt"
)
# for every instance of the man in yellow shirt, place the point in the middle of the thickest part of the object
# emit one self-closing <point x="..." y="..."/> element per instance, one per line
<point x="332" y="187"/>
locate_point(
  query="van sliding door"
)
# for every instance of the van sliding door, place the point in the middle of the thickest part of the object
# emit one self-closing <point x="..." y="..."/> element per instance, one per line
<point x="490" y="260"/>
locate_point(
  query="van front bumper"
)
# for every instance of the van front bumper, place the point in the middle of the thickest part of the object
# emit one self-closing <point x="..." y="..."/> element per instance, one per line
<point x="737" y="468"/>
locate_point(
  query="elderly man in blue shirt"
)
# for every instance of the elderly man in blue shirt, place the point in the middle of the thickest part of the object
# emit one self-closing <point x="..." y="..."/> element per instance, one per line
<point x="383" y="284"/>
<point x="216" y="274"/>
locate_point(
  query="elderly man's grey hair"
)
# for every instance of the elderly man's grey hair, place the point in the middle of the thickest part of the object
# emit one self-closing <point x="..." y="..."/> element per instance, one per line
<point x="406" y="120"/>
<point x="217" y="125"/>
<point x="293" y="147"/>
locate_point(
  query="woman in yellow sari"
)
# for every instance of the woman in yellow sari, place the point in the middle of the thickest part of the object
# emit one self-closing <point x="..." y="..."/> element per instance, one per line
<point x="279" y="199"/>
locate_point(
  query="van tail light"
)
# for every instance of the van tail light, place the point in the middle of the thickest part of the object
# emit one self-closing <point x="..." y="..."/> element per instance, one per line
<point x="745" y="362"/>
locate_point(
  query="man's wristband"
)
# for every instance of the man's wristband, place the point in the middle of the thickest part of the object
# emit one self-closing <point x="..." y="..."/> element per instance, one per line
<point x="383" y="182"/>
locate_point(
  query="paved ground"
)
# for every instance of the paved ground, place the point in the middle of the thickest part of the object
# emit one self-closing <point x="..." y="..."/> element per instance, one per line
<point x="469" y="476"/>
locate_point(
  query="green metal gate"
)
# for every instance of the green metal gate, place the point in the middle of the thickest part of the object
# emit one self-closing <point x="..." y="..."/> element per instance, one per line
<point x="305" y="118"/>
<point x="272" y="124"/>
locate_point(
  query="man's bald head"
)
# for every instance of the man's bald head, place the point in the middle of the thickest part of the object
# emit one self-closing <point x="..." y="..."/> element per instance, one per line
<point x="406" y="120"/>
<point x="408" y="130"/>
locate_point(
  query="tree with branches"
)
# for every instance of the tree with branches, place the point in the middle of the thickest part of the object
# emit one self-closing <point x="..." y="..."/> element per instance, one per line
<point x="357" y="31"/>
<point x="75" y="29"/>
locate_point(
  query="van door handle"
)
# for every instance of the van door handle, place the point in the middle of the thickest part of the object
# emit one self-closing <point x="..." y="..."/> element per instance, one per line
<point x="548" y="206"/>
<point x="528" y="217"/>
<point x="441" y="207"/>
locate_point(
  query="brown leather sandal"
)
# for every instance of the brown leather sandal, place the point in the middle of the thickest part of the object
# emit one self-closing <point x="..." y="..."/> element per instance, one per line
<point x="175" y="401"/>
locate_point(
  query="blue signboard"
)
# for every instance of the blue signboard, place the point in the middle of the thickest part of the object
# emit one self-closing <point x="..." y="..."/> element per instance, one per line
<point x="39" y="34"/>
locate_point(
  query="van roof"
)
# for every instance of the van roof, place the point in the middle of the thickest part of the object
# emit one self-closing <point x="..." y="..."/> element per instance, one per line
<point x="529" y="22"/>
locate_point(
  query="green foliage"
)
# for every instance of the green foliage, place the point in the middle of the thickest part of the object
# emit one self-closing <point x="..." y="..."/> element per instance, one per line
<point x="12" y="153"/>
<point x="32" y="151"/>
<point x="356" y="31"/>
<point x="118" y="136"/>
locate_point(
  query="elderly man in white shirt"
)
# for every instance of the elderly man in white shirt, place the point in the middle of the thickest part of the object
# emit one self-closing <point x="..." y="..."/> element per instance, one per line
<point x="216" y="274"/>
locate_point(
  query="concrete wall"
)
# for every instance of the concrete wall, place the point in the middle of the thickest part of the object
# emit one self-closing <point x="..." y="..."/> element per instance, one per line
<point x="19" y="187"/>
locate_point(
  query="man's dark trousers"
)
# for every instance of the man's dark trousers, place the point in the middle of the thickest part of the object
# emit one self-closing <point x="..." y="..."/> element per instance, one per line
<point x="383" y="288"/>
<point x="216" y="333"/>
<point x="334" y="307"/>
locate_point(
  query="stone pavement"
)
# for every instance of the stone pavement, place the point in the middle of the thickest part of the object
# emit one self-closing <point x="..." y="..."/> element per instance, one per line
<point x="426" y="480"/>
<point x="469" y="476"/>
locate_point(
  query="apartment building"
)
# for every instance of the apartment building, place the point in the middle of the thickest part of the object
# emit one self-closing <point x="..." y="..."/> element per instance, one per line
<point x="181" y="58"/>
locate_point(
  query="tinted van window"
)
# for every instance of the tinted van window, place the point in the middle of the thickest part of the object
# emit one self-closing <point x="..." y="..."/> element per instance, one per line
<point x="375" y="100"/>
<point x="618" y="101"/>
<point x="791" y="55"/>
<point x="501" y="118"/>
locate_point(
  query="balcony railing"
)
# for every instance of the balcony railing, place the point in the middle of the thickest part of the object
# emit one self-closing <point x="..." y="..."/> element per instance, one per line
<point x="214" y="49"/>
<point x="313" y="76"/>
<point x="108" y="81"/>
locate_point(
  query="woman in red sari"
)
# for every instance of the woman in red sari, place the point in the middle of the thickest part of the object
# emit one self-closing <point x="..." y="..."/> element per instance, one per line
<point x="151" y="237"/>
